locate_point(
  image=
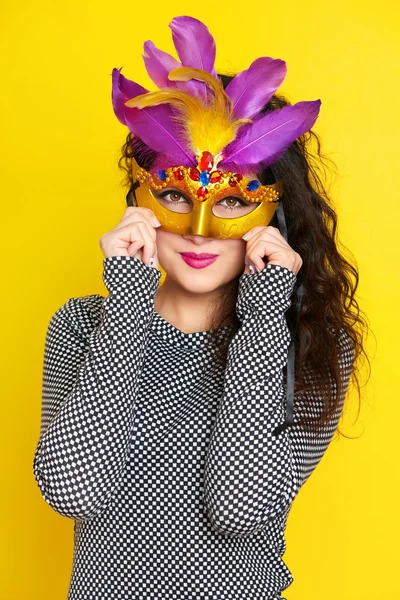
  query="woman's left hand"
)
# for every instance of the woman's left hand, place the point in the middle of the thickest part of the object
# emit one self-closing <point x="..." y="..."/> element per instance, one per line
<point x="268" y="241"/>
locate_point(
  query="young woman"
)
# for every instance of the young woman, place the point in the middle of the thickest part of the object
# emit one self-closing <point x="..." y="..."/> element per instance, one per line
<point x="167" y="432"/>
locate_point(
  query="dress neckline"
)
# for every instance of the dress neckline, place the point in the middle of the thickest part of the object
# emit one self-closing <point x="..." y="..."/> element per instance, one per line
<point x="177" y="337"/>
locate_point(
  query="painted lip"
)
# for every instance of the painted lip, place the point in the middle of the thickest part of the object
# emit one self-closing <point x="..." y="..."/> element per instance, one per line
<point x="198" y="261"/>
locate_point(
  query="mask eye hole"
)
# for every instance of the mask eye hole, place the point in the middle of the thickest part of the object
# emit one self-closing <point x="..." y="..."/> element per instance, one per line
<point x="174" y="200"/>
<point x="229" y="207"/>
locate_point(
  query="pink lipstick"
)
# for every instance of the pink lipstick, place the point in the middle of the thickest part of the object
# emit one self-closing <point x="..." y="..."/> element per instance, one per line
<point x="198" y="261"/>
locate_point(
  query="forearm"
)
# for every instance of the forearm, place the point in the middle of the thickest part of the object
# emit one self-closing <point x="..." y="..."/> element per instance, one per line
<point x="81" y="455"/>
<point x="249" y="475"/>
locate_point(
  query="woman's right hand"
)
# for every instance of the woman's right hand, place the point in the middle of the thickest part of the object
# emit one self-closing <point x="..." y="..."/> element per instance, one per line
<point x="134" y="235"/>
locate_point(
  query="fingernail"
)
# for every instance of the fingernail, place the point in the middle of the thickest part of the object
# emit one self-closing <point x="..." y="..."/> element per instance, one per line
<point x="251" y="269"/>
<point x="150" y="263"/>
<point x="245" y="236"/>
<point x="156" y="222"/>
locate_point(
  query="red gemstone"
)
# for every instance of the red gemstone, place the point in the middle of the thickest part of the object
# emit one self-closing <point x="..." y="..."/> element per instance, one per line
<point x="202" y="192"/>
<point x="238" y="176"/>
<point x="206" y="161"/>
<point x="194" y="174"/>
<point x="232" y="182"/>
<point x="179" y="174"/>
<point x="215" y="176"/>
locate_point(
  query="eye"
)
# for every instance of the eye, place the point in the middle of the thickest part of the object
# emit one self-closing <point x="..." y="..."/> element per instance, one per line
<point x="175" y="196"/>
<point x="229" y="205"/>
<point x="238" y="203"/>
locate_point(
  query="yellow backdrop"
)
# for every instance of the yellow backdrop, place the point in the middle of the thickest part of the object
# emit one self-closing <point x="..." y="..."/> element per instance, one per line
<point x="61" y="192"/>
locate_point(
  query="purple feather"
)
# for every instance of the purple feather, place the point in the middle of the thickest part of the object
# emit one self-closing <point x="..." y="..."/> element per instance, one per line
<point x="155" y="127"/>
<point x="158" y="64"/>
<point x="164" y="161"/>
<point x="122" y="90"/>
<point x="195" y="47"/>
<point x="251" y="89"/>
<point x="194" y="43"/>
<point x="266" y="139"/>
<point x="153" y="124"/>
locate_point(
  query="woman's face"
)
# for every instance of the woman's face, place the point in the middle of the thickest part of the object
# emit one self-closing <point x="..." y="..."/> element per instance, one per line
<point x="227" y="266"/>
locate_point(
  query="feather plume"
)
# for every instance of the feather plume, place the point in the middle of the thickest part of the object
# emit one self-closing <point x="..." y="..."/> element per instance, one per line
<point x="200" y="115"/>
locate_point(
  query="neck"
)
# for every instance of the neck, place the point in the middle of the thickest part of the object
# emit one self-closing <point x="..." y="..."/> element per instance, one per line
<point x="189" y="311"/>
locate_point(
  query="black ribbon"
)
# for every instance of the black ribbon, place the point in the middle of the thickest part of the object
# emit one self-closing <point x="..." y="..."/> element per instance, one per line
<point x="289" y="415"/>
<point x="131" y="194"/>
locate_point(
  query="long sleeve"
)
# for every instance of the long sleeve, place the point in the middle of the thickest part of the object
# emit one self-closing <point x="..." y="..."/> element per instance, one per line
<point x="251" y="475"/>
<point x="92" y="361"/>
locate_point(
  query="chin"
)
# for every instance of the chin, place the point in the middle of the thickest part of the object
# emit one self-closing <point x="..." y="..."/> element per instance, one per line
<point x="200" y="284"/>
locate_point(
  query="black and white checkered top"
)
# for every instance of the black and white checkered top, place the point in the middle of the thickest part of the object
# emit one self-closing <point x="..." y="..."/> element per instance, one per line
<point x="164" y="458"/>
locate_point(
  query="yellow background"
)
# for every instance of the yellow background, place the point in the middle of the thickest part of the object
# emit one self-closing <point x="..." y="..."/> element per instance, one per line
<point x="61" y="191"/>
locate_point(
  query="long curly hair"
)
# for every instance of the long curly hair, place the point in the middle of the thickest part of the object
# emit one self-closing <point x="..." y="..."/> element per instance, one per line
<point x="330" y="280"/>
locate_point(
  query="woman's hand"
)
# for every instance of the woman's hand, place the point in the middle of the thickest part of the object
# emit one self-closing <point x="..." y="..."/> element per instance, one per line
<point x="134" y="235"/>
<point x="268" y="241"/>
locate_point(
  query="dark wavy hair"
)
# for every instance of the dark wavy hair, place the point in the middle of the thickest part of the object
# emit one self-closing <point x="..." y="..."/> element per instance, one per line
<point x="330" y="280"/>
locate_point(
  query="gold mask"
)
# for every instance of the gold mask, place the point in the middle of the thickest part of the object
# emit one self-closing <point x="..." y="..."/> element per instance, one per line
<point x="205" y="192"/>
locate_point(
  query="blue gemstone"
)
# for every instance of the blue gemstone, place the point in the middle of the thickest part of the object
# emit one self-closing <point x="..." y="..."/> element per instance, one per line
<point x="253" y="185"/>
<point x="162" y="174"/>
<point x="204" y="178"/>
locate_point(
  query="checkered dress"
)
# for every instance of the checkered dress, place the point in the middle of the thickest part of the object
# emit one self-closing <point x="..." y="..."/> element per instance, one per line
<point x="164" y="458"/>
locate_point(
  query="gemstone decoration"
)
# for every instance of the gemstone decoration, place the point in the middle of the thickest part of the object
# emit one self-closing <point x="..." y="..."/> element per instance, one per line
<point x="253" y="185"/>
<point x="215" y="176"/>
<point x="204" y="178"/>
<point x="194" y="173"/>
<point x="202" y="193"/>
<point x="206" y="161"/>
<point x="162" y="174"/>
<point x="179" y="174"/>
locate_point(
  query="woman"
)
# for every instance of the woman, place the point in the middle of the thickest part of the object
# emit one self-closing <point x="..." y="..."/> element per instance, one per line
<point x="163" y="423"/>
